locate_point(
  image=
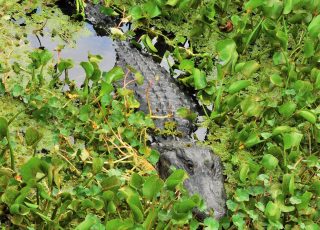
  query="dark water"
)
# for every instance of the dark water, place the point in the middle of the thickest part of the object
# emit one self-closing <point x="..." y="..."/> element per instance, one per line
<point x="84" y="44"/>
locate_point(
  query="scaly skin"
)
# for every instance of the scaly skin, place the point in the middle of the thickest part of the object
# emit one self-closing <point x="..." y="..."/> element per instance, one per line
<point x="165" y="96"/>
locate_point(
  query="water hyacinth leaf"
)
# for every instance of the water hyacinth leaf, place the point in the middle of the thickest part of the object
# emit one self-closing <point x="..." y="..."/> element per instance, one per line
<point x="292" y="139"/>
<point x="276" y="80"/>
<point x="199" y="77"/>
<point x="3" y="127"/>
<point x="30" y="169"/>
<point x="272" y="211"/>
<point x="244" y="170"/>
<point x="111" y="183"/>
<point x="269" y="162"/>
<point x="281" y="130"/>
<point x="119" y="224"/>
<point x="237" y="86"/>
<point x="288" y="185"/>
<point x="172" y="2"/>
<point x="17" y="90"/>
<point x="136" y="12"/>
<point x="152" y="187"/>
<point x="187" y="65"/>
<point x="279" y="58"/>
<point x="314" y="28"/>
<point x="287" y="109"/>
<point x="305" y="201"/>
<point x="211" y="224"/>
<point x="150" y="219"/>
<point x="84" y="113"/>
<point x="19" y="209"/>
<point x="227" y="51"/>
<point x="308" y="48"/>
<point x="33" y="136"/>
<point x="308" y="115"/>
<point x="248" y="68"/>
<point x="250" y="107"/>
<point x="252" y="140"/>
<point x="152" y="9"/>
<point x="65" y="64"/>
<point x="175" y="179"/>
<point x="88" y="223"/>
<point x="238" y="220"/>
<point x="288" y="5"/>
<point x="108" y="11"/>
<point x="97" y="165"/>
<point x="241" y="195"/>
<point x="136" y="207"/>
<point x="148" y="43"/>
<point x="252" y="4"/>
<point x="136" y="181"/>
<point x="115" y="74"/>
<point x="88" y="68"/>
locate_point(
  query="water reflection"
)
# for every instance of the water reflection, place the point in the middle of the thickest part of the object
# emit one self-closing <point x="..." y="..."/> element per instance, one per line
<point x="85" y="43"/>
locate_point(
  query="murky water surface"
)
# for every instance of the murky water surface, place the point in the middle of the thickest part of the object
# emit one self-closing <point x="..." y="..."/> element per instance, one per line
<point x="85" y="43"/>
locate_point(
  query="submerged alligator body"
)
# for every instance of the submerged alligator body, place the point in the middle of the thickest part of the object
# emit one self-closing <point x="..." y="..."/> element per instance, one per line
<point x="161" y="93"/>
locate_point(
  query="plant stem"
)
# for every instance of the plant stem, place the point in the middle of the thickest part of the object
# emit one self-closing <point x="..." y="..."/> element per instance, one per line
<point x="11" y="152"/>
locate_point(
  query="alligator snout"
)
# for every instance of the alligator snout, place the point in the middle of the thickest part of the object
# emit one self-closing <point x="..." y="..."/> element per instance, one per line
<point x="205" y="173"/>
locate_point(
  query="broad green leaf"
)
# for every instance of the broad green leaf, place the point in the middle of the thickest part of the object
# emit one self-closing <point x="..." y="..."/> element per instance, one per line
<point x="187" y="65"/>
<point x="308" y="115"/>
<point x="84" y="113"/>
<point x="175" y="179"/>
<point x="252" y="4"/>
<point x="227" y="51"/>
<point x="288" y="185"/>
<point x="172" y="2"/>
<point x="119" y="224"/>
<point x="211" y="224"/>
<point x="308" y="48"/>
<point x="151" y="219"/>
<point x="250" y="107"/>
<point x="152" y="9"/>
<point x="17" y="90"/>
<point x="33" y="136"/>
<point x="107" y="196"/>
<point x="272" y="211"/>
<point x="238" y="86"/>
<point x="244" y="170"/>
<point x="136" y="207"/>
<point x="88" y="223"/>
<point x="65" y="64"/>
<point x="281" y="130"/>
<point x="97" y="165"/>
<point x="288" y="5"/>
<point x="252" y="140"/>
<point x="248" y="68"/>
<point x="287" y="109"/>
<point x="111" y="183"/>
<point x="148" y="43"/>
<point x="136" y="12"/>
<point x="305" y="201"/>
<point x="3" y="127"/>
<point x="115" y="74"/>
<point x="292" y="139"/>
<point x="88" y="68"/>
<point x="151" y="187"/>
<point x="30" y="169"/>
<point x="276" y="80"/>
<point x="269" y="162"/>
<point x="238" y="220"/>
<point x="241" y="195"/>
<point x="199" y="77"/>
<point x="314" y="28"/>
<point x="136" y="181"/>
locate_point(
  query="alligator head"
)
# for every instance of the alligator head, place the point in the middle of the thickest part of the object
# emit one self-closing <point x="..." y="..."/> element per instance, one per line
<point x="205" y="173"/>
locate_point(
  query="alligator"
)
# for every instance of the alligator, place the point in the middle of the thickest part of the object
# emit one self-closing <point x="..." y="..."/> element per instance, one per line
<point x="161" y="94"/>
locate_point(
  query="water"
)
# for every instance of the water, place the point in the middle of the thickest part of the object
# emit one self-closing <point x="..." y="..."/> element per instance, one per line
<point x="85" y="43"/>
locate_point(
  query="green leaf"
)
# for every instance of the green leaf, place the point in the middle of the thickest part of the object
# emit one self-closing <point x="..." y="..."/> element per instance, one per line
<point x="308" y="115"/>
<point x="237" y="86"/>
<point x="119" y="224"/>
<point x="269" y="162"/>
<point x="288" y="5"/>
<point x="115" y="74"/>
<point x="241" y="195"/>
<point x="287" y="109"/>
<point x="151" y="187"/>
<point x="272" y="211"/>
<point x="17" y="90"/>
<point x="88" y="68"/>
<point x="136" y="181"/>
<point x="244" y="170"/>
<point x="308" y="48"/>
<point x="314" y="28"/>
<point x="276" y="80"/>
<point x="252" y="4"/>
<point x="291" y="139"/>
<point x="97" y="165"/>
<point x="247" y="68"/>
<point x="175" y="179"/>
<point x="33" y="136"/>
<point x="227" y="51"/>
<point x="3" y="127"/>
<point x="152" y="9"/>
<point x="148" y="43"/>
<point x="199" y="77"/>
<point x="136" y="12"/>
<point x="65" y="64"/>
<point x="111" y="183"/>
<point x="250" y="107"/>
<point x="151" y="219"/>
<point x="84" y="113"/>
<point x="288" y="185"/>
<point x="172" y="2"/>
<point x="136" y="207"/>
<point x="211" y="224"/>
<point x="30" y="169"/>
<point x="88" y="223"/>
<point x="238" y="221"/>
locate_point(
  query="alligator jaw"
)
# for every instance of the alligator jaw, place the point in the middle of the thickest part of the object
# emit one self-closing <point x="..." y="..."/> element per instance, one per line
<point x="205" y="173"/>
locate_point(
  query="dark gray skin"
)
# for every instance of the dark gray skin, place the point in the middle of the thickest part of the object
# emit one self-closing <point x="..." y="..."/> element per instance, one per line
<point x="164" y="96"/>
<point x="204" y="169"/>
